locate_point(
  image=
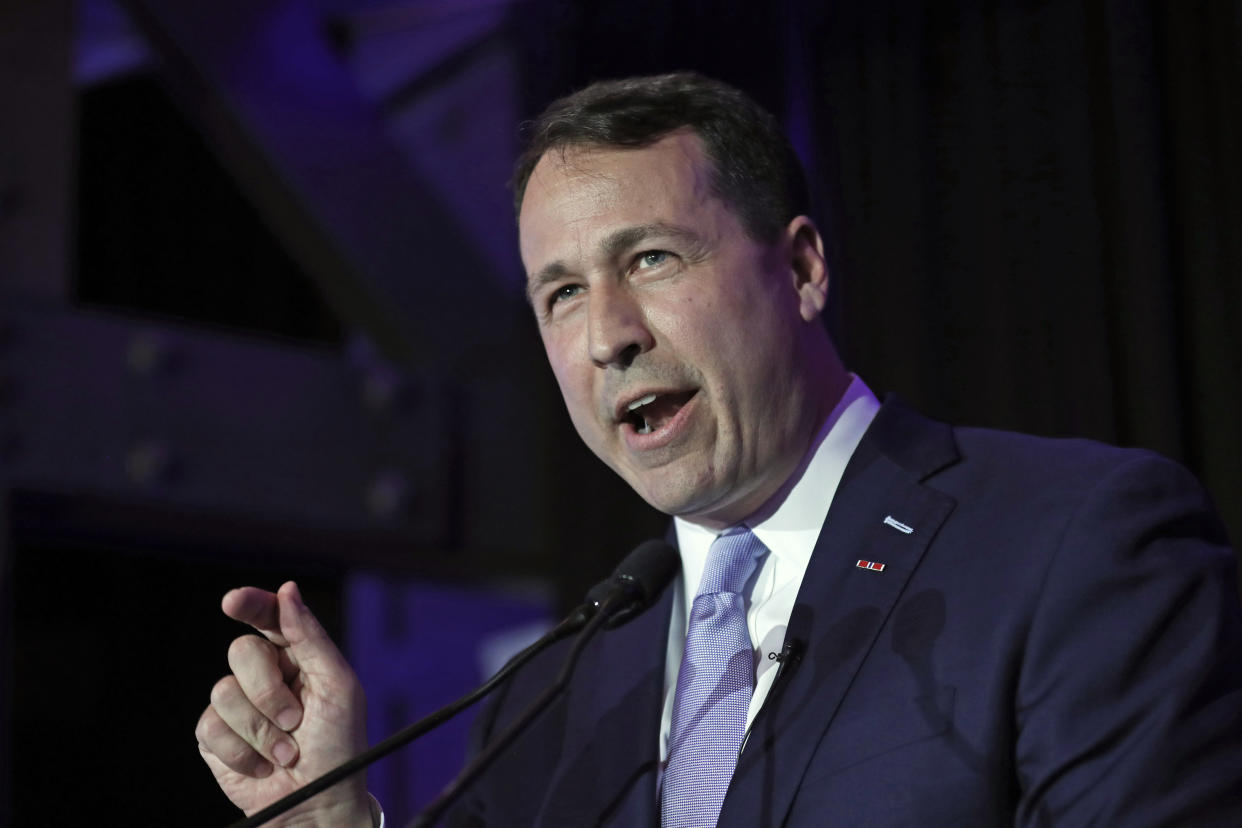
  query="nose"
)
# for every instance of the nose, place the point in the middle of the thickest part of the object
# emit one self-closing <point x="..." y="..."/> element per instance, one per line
<point x="618" y="327"/>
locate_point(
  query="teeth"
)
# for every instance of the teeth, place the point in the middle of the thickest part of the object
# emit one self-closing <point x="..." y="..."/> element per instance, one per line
<point x="640" y="402"/>
<point x="646" y="429"/>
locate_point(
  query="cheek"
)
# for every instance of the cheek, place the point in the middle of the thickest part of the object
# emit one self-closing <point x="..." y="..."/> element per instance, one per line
<point x="716" y="334"/>
<point x="571" y="384"/>
<point x="556" y="348"/>
<point x="575" y="385"/>
<point x="575" y="376"/>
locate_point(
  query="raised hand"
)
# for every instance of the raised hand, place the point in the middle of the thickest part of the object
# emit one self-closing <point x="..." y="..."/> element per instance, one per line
<point x="291" y="710"/>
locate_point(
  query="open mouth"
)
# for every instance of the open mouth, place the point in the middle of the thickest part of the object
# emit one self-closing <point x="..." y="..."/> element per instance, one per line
<point x="649" y="413"/>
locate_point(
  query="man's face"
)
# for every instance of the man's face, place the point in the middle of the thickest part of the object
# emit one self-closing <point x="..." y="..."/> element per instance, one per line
<point x="679" y="342"/>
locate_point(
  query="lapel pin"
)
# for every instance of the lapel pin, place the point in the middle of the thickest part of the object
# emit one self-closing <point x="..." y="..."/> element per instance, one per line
<point x="874" y="566"/>
<point x="898" y="525"/>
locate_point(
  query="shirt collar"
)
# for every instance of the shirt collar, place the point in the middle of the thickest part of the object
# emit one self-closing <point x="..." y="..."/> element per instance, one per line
<point x="790" y="522"/>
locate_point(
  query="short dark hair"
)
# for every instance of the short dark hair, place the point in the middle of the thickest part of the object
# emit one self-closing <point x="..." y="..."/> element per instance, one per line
<point x="755" y="170"/>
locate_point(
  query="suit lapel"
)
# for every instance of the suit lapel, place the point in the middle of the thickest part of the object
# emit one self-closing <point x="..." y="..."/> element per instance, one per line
<point x="881" y="514"/>
<point x="608" y="768"/>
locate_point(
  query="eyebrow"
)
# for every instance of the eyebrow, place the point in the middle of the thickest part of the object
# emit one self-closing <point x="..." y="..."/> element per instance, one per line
<point x="614" y="244"/>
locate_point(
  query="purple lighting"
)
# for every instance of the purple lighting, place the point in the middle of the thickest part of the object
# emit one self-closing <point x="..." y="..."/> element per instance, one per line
<point x="417" y="646"/>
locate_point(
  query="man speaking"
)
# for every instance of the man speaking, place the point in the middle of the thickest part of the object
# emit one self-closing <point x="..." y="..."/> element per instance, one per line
<point x="880" y="619"/>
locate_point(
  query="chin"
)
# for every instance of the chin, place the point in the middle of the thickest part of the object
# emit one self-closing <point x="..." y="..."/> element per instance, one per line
<point x="662" y="502"/>
<point x="687" y="501"/>
<point x="669" y="500"/>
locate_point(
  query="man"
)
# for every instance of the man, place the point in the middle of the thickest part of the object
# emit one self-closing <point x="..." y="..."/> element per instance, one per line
<point x="880" y="620"/>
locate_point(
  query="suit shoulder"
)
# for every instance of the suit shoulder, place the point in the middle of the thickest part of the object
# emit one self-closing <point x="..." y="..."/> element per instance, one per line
<point x="929" y="448"/>
<point x="1077" y="463"/>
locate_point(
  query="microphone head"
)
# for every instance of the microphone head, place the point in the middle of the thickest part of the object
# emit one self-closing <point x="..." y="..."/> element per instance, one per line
<point x="642" y="575"/>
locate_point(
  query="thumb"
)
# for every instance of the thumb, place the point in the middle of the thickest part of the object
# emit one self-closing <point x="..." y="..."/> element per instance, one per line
<point x="310" y="646"/>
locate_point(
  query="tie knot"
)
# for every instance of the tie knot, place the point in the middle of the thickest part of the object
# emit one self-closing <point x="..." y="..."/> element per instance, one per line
<point x="730" y="561"/>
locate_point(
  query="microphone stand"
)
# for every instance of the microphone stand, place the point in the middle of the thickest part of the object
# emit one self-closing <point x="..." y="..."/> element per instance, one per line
<point x="483" y="761"/>
<point x="633" y="585"/>
<point x="571" y="624"/>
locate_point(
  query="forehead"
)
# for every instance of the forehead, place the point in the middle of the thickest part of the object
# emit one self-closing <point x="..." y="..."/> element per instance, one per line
<point x="583" y="190"/>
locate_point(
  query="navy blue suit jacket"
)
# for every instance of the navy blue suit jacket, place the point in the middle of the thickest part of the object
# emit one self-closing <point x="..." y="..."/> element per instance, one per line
<point x="1056" y="642"/>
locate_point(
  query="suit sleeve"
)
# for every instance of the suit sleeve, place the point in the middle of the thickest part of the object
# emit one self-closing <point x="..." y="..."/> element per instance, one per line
<point x="469" y="812"/>
<point x="1129" y="699"/>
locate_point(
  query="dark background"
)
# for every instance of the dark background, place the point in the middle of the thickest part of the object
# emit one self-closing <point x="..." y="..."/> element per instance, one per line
<point x="275" y="328"/>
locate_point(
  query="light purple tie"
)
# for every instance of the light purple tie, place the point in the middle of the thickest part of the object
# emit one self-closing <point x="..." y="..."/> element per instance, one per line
<point x="713" y="688"/>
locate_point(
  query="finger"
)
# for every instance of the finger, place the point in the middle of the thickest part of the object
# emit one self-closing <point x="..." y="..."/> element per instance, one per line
<point x="261" y="673"/>
<point x="255" y="729"/>
<point x="310" y="646"/>
<point x="217" y="741"/>
<point x="256" y="607"/>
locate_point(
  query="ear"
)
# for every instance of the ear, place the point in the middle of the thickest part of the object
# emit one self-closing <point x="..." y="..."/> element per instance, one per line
<point x="807" y="264"/>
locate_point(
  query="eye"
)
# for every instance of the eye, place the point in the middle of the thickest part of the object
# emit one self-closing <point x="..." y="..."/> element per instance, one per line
<point x="563" y="292"/>
<point x="651" y="258"/>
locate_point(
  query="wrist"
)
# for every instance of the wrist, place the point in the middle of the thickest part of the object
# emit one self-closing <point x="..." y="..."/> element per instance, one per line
<point x="363" y="812"/>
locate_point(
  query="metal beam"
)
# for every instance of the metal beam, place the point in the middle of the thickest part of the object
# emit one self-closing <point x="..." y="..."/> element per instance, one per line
<point x="285" y="117"/>
<point x="109" y="406"/>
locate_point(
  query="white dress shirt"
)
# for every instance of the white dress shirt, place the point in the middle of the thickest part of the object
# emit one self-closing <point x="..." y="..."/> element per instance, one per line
<point x="788" y="525"/>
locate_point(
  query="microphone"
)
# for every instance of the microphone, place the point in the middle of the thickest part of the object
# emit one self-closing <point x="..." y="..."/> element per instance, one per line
<point x="790" y="653"/>
<point x="633" y="586"/>
<point x="642" y="576"/>
<point x="786" y="660"/>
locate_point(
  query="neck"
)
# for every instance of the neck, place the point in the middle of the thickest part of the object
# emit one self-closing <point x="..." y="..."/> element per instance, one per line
<point x="825" y="388"/>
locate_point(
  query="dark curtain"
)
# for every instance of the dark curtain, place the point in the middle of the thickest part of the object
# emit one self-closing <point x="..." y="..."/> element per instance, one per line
<point x="1038" y="208"/>
<point x="1033" y="208"/>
